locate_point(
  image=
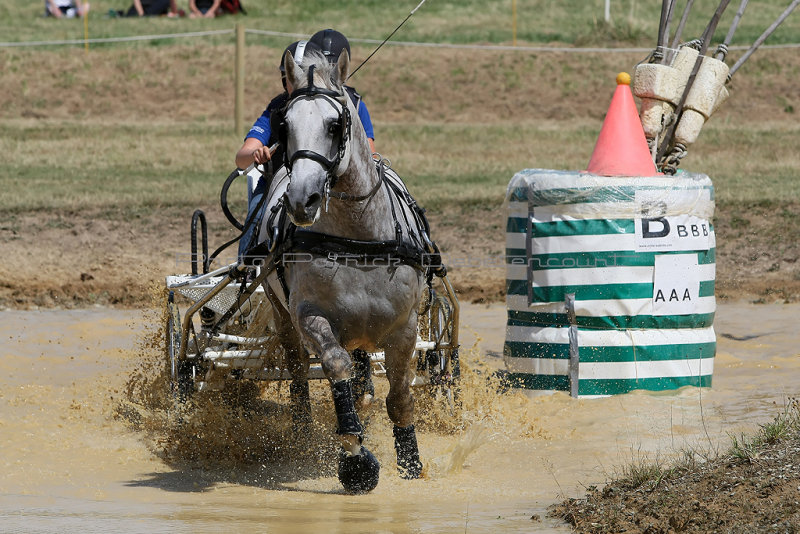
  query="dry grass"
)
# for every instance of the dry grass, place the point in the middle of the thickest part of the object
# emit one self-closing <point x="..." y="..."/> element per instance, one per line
<point x="457" y="127"/>
<point x="465" y="21"/>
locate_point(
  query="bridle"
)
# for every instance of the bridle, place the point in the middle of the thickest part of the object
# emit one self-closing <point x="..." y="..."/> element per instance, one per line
<point x="342" y="125"/>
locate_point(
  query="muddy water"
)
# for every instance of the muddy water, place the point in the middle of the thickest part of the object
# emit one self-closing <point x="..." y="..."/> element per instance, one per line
<point x="69" y="464"/>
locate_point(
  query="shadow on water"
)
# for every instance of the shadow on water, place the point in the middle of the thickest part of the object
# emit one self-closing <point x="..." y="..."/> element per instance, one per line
<point x="193" y="480"/>
<point x="744" y="338"/>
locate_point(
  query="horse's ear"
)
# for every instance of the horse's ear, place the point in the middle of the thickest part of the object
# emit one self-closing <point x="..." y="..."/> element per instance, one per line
<point x="291" y="68"/>
<point x="343" y="67"/>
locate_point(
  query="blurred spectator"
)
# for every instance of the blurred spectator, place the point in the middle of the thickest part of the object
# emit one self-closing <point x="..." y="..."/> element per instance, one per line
<point x="65" y="8"/>
<point x="204" y="8"/>
<point x="148" y="8"/>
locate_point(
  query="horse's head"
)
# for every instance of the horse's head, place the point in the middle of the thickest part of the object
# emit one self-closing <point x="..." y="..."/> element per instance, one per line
<point x="314" y="131"/>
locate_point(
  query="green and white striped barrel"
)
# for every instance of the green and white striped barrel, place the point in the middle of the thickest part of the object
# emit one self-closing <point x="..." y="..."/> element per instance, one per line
<point x="636" y="256"/>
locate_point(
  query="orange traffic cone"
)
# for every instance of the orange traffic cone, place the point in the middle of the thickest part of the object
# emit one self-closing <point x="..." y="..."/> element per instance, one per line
<point x="621" y="148"/>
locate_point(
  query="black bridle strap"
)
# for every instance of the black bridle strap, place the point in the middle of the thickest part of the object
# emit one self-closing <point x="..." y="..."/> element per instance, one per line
<point x="331" y="97"/>
<point x="311" y="75"/>
<point x="328" y="164"/>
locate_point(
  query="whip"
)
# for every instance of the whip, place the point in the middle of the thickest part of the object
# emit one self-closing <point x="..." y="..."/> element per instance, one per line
<point x="677" y="38"/>
<point x="763" y="36"/>
<point x="387" y="38"/>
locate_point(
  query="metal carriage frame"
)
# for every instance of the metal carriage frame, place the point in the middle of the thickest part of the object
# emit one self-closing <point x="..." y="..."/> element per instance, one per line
<point x="220" y="329"/>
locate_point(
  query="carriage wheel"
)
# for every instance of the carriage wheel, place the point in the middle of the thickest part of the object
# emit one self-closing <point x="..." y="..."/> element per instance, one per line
<point x="181" y="373"/>
<point x="442" y="365"/>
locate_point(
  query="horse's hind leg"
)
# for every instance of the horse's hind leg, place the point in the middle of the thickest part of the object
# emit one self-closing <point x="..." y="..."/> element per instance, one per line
<point x="400" y="401"/>
<point x="363" y="388"/>
<point x="297" y="365"/>
<point x="299" y="396"/>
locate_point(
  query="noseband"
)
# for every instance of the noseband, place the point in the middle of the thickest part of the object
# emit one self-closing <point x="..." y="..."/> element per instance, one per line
<point x="343" y="125"/>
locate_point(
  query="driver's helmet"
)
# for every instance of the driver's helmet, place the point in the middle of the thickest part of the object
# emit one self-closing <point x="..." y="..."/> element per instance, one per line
<point x="332" y="43"/>
<point x="298" y="49"/>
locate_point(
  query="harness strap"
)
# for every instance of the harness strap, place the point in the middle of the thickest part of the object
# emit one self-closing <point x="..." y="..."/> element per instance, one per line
<point x="328" y="245"/>
<point x="358" y="198"/>
<point x="418" y="251"/>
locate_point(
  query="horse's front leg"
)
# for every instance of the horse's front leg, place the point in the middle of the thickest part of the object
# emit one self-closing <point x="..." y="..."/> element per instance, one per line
<point x="358" y="468"/>
<point x="400" y="401"/>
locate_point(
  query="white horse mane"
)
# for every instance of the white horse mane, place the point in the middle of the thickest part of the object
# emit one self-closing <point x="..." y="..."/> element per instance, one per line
<point x="325" y="73"/>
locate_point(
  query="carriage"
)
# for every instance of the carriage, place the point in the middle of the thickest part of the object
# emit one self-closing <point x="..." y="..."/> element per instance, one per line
<point x="220" y="326"/>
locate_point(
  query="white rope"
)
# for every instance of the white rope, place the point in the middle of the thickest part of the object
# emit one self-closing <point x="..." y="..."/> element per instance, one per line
<point x="114" y="39"/>
<point x="572" y="50"/>
<point x="279" y="34"/>
<point x="502" y="47"/>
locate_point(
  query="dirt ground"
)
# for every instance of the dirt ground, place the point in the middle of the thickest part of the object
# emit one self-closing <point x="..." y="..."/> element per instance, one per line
<point x="78" y="259"/>
<point x="753" y="492"/>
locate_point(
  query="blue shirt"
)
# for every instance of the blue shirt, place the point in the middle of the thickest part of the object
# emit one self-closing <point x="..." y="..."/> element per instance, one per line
<point x="262" y="130"/>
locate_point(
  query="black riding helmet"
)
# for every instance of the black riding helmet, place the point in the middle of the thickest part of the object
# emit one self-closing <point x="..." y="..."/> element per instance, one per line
<point x="332" y="43"/>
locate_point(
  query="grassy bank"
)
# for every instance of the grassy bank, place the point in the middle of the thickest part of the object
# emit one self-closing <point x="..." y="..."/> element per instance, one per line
<point x="164" y="165"/>
<point x="752" y="487"/>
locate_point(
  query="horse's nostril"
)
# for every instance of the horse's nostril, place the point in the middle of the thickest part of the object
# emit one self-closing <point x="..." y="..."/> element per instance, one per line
<point x="313" y="199"/>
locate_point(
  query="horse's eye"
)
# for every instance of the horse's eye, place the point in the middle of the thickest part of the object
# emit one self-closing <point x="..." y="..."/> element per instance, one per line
<point x="334" y="127"/>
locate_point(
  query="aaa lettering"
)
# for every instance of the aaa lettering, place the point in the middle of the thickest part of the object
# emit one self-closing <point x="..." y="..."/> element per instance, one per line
<point x="673" y="296"/>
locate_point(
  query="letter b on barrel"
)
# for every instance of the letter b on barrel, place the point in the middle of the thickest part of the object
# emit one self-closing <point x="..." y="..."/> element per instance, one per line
<point x="658" y="227"/>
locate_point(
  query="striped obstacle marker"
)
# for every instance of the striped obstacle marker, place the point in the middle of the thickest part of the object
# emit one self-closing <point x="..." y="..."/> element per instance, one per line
<point x="610" y="282"/>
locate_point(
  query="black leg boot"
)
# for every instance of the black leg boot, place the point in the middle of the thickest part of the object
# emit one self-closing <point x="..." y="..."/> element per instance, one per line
<point x="358" y="472"/>
<point x="405" y="444"/>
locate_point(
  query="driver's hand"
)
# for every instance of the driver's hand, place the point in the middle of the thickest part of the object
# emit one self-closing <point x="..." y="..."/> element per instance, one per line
<point x="262" y="155"/>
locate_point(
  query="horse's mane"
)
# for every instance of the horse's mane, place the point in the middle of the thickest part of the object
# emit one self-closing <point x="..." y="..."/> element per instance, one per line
<point x="325" y="73"/>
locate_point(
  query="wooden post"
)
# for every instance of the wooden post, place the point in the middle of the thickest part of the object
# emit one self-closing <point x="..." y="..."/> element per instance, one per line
<point x="239" y="102"/>
<point x="514" y="22"/>
<point x="574" y="350"/>
<point x="86" y="27"/>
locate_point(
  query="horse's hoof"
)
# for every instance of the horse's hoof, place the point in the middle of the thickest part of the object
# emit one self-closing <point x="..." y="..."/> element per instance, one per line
<point x="358" y="473"/>
<point x="405" y="445"/>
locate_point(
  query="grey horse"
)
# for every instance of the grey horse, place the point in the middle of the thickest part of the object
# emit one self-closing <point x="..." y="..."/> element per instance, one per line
<point x="333" y="192"/>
